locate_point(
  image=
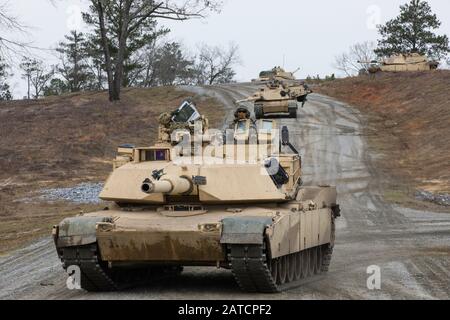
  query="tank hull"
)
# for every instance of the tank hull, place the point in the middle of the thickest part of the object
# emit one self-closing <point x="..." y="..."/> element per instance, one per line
<point x="154" y="237"/>
<point x="287" y="108"/>
<point x="151" y="237"/>
<point x="404" y="63"/>
<point x="279" y="99"/>
<point x="407" y="67"/>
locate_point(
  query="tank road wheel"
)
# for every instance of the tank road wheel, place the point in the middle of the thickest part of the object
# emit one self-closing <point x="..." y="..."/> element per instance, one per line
<point x="282" y="270"/>
<point x="313" y="261"/>
<point x="298" y="265"/>
<point x="259" y="112"/>
<point x="291" y="263"/>
<point x="305" y="263"/>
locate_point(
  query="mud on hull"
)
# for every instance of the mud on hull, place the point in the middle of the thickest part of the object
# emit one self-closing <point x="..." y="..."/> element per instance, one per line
<point x="265" y="251"/>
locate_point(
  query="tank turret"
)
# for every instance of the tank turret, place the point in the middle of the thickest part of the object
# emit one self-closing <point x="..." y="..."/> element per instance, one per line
<point x="276" y="73"/>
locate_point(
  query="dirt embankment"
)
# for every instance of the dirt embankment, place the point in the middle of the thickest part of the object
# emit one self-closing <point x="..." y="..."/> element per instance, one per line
<point x="63" y="141"/>
<point x="408" y="124"/>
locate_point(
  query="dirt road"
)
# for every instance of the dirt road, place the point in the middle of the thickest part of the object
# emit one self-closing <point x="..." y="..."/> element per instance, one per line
<point x="411" y="248"/>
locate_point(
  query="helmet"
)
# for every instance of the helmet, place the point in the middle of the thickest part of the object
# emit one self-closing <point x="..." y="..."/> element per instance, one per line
<point x="165" y="118"/>
<point x="242" y="110"/>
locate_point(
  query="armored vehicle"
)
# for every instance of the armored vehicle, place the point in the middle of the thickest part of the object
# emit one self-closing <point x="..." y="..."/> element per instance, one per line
<point x="277" y="73"/>
<point x="403" y="63"/>
<point x="278" y="98"/>
<point x="238" y="205"/>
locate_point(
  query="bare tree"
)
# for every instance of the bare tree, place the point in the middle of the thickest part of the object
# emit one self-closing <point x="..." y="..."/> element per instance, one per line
<point x="130" y="16"/>
<point x="10" y="47"/>
<point x="358" y="58"/>
<point x="36" y="75"/>
<point x="149" y="56"/>
<point x="215" y="64"/>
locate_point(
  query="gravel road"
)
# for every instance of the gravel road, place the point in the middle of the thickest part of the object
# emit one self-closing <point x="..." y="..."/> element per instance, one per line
<point x="410" y="247"/>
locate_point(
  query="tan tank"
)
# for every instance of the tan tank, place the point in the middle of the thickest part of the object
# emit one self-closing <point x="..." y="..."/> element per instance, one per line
<point x="239" y="206"/>
<point x="278" y="98"/>
<point x="277" y="73"/>
<point x="403" y="63"/>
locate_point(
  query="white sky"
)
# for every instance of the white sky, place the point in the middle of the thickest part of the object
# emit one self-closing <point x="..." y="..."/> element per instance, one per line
<point x="309" y="34"/>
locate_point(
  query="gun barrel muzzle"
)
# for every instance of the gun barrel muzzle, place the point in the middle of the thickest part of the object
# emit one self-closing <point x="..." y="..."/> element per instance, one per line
<point x="168" y="185"/>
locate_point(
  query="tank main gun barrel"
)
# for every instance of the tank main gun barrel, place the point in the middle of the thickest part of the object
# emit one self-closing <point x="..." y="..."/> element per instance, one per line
<point x="365" y="61"/>
<point x="168" y="185"/>
<point x="253" y="98"/>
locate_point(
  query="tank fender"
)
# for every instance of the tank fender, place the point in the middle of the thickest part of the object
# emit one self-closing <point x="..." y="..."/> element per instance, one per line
<point x="244" y="230"/>
<point x="78" y="231"/>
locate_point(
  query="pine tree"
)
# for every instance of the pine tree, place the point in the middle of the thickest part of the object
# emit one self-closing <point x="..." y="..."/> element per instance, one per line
<point x="56" y="87"/>
<point x="413" y="32"/>
<point x="74" y="66"/>
<point x="172" y="66"/>
<point x="5" y="93"/>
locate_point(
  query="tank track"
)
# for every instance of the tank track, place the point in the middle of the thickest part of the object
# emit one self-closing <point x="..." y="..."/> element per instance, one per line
<point x="97" y="277"/>
<point x="254" y="271"/>
<point x="328" y="249"/>
<point x="94" y="276"/>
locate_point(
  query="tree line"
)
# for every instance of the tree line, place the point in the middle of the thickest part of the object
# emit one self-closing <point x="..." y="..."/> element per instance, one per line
<point x="125" y="46"/>
<point x="163" y="63"/>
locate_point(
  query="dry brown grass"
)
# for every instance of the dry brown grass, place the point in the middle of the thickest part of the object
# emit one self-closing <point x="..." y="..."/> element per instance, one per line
<point x="409" y="123"/>
<point x="62" y="141"/>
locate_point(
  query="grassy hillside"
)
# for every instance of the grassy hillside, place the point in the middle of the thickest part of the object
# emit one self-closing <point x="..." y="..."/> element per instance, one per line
<point x="408" y="123"/>
<point x="62" y="141"/>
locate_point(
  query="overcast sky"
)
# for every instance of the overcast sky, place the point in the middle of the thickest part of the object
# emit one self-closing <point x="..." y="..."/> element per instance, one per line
<point x="305" y="34"/>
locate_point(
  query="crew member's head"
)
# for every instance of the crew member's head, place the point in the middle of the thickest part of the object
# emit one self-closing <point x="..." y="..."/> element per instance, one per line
<point x="242" y="113"/>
